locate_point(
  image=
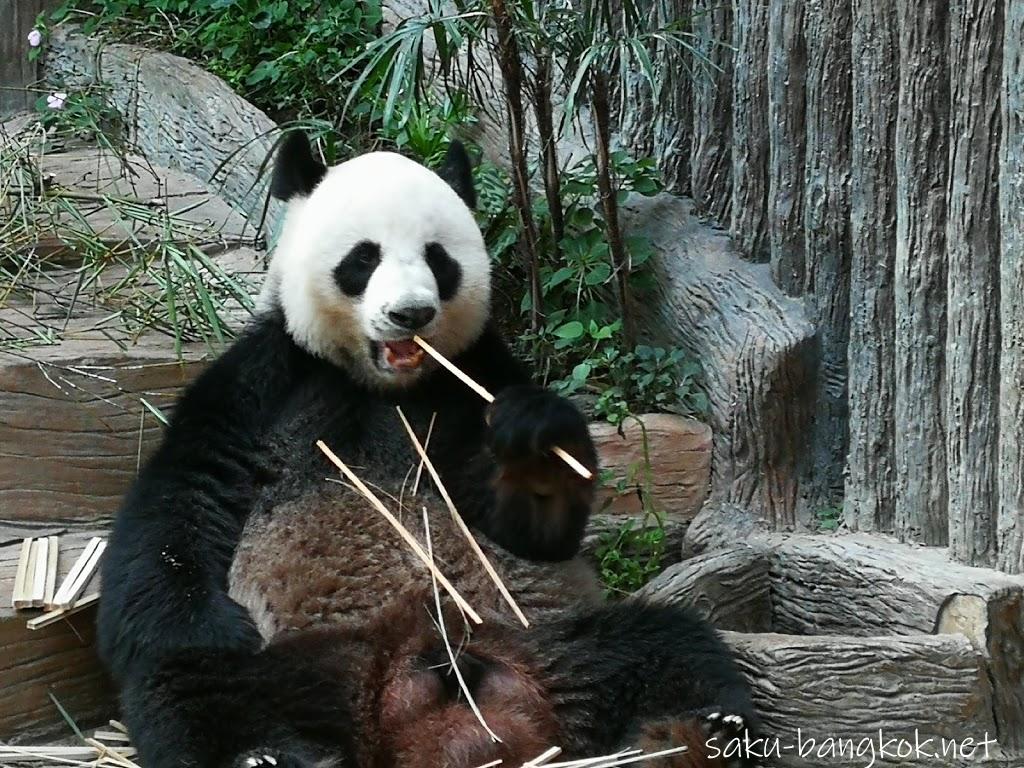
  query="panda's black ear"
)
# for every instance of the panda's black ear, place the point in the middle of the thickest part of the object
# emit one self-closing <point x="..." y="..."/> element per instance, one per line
<point x="296" y="170"/>
<point x="458" y="172"/>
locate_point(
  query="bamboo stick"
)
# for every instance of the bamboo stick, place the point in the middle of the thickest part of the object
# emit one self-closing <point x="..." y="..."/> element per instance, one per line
<point x="53" y="557"/>
<point x="406" y="536"/>
<point x="13" y="754"/>
<point x="444" y="636"/>
<point x="460" y="523"/>
<point x="21" y="574"/>
<point x="52" y="617"/>
<point x="564" y="455"/>
<point x="76" y="588"/>
<point x="426" y="444"/>
<point x="76" y="569"/>
<point x="40" y="561"/>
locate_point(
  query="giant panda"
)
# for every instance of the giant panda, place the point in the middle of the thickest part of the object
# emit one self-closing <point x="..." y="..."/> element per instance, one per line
<point x="258" y="612"/>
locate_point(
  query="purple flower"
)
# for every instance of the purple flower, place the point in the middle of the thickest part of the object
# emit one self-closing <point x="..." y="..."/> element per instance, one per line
<point x="56" y="100"/>
<point x="35" y="38"/>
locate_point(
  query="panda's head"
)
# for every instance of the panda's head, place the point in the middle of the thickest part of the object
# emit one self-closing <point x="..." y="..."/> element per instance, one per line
<point x="373" y="252"/>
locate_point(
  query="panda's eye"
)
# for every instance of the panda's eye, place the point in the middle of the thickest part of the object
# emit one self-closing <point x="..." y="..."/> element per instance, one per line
<point x="365" y="254"/>
<point x="447" y="271"/>
<point x="354" y="271"/>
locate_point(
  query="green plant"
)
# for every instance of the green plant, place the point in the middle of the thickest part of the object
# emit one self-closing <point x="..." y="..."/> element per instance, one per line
<point x="828" y="518"/>
<point x="84" y="112"/>
<point x="140" y="265"/>
<point x="281" y="55"/>
<point x="630" y="555"/>
<point x="587" y="52"/>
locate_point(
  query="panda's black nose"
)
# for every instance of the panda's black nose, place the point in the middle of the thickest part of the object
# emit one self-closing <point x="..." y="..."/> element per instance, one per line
<point x="412" y="318"/>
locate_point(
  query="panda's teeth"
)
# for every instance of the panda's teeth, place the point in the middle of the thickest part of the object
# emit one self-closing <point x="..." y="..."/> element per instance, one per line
<point x="403" y="354"/>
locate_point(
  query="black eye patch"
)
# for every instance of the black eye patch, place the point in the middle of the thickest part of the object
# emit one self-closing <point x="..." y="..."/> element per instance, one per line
<point x="353" y="273"/>
<point x="447" y="271"/>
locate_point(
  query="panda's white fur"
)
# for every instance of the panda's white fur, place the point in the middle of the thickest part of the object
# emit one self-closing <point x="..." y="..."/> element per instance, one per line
<point x="356" y="202"/>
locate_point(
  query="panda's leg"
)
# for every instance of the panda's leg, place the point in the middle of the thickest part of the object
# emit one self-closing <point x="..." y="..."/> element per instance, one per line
<point x="639" y="675"/>
<point x="217" y="710"/>
<point x="541" y="505"/>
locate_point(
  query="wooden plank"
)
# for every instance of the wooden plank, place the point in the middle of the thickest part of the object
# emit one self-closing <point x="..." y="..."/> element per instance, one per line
<point x="1010" y="520"/>
<point x="73" y="425"/>
<point x="935" y="686"/>
<point x="868" y="497"/>
<point x="749" y="225"/>
<point x="711" y="163"/>
<point x="787" y="67"/>
<point x="922" y="131"/>
<point x="972" y="238"/>
<point x="827" y="239"/>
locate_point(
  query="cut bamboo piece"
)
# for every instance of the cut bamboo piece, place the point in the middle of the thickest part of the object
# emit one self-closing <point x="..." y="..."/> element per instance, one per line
<point x="426" y="444"/>
<point x="40" y="561"/>
<point x="543" y="758"/>
<point x="84" y="577"/>
<point x="402" y="531"/>
<point x="53" y="557"/>
<point x="58" y="753"/>
<point x="425" y="461"/>
<point x="52" y="617"/>
<point x="118" y="736"/>
<point x="564" y="455"/>
<point x="21" y="576"/>
<point x="75" y="582"/>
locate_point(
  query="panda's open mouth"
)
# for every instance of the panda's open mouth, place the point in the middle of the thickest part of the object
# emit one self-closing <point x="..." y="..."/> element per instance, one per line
<point x="398" y="354"/>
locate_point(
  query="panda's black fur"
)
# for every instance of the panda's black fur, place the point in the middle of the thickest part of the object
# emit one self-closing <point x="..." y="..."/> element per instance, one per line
<point x="199" y="685"/>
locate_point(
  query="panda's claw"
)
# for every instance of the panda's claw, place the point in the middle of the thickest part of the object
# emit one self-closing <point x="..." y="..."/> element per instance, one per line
<point x="270" y="758"/>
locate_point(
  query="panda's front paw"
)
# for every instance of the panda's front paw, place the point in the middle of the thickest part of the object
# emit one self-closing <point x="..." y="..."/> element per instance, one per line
<point x="725" y="732"/>
<point x="527" y="422"/>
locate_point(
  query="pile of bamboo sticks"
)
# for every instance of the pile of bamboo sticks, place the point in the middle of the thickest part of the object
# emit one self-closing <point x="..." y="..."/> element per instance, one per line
<point x="35" y="581"/>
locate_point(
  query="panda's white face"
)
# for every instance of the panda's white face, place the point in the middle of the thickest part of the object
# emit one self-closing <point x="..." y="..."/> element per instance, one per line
<point x="381" y="250"/>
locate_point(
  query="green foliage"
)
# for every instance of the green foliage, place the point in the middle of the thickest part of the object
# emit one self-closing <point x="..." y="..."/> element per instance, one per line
<point x="579" y="342"/>
<point x="85" y="113"/>
<point x="828" y="518"/>
<point x="157" y="277"/>
<point x="315" y="61"/>
<point x="282" y="55"/>
<point x="630" y="555"/>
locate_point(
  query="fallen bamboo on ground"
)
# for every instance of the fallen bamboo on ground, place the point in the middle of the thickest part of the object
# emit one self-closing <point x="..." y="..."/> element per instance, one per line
<point x="52" y="617"/>
<point x="81" y="572"/>
<point x="561" y="453"/>
<point x="401" y="529"/>
<point x="460" y="523"/>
